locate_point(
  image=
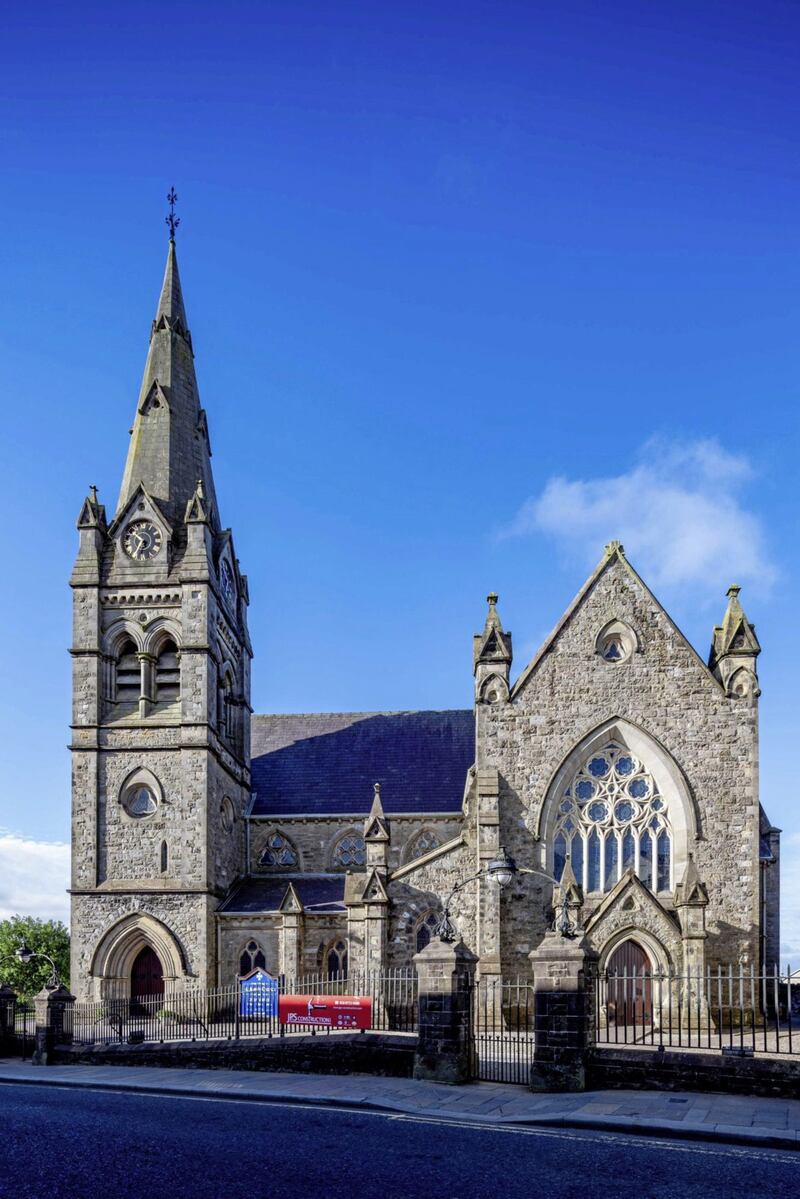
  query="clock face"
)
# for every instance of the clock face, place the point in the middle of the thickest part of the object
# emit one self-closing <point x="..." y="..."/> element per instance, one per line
<point x="226" y="582"/>
<point x="141" y="540"/>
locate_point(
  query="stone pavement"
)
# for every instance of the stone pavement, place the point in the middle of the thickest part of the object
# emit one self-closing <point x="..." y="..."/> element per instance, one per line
<point x="734" y="1118"/>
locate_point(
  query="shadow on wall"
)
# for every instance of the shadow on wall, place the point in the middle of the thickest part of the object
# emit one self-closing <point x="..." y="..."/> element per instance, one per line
<point x="327" y="763"/>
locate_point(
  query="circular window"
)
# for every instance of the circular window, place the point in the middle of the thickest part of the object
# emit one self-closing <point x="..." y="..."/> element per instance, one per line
<point x="140" y="801"/>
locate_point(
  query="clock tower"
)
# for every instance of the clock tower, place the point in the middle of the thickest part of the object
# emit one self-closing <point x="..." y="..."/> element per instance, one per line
<point x="161" y="695"/>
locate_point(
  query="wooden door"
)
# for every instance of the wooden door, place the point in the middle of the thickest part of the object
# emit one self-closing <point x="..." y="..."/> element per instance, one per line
<point x="629" y="987"/>
<point x="146" y="975"/>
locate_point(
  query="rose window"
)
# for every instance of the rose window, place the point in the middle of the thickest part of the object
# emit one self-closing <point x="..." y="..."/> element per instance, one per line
<point x="611" y="819"/>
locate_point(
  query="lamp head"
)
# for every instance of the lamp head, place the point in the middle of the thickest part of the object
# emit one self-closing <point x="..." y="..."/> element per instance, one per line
<point x="502" y="869"/>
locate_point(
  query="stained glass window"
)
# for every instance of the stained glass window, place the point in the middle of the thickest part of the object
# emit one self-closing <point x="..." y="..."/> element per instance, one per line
<point x="351" y="851"/>
<point x="663" y="848"/>
<point x="593" y="863"/>
<point x="278" y="852"/>
<point x="610" y="819"/>
<point x="423" y="843"/>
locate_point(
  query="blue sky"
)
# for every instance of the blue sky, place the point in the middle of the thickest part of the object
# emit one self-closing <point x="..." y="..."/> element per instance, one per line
<point x="473" y="287"/>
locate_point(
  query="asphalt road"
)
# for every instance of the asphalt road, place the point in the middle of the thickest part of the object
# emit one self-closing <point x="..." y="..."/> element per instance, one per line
<point x="75" y="1144"/>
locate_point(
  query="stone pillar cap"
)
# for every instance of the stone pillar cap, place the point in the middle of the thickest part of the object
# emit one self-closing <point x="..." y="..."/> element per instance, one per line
<point x="438" y="950"/>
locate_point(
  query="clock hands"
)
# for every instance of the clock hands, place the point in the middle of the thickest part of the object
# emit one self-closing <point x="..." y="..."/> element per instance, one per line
<point x="142" y="541"/>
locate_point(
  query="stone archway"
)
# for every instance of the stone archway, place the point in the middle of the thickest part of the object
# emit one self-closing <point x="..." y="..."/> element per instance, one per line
<point x="138" y="943"/>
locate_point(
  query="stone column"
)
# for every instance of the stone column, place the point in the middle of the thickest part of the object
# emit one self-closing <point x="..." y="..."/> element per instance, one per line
<point x="488" y="834"/>
<point x="291" y="934"/>
<point x="446" y="974"/>
<point x="564" y="1029"/>
<point x="54" y="1013"/>
<point x="146" y="683"/>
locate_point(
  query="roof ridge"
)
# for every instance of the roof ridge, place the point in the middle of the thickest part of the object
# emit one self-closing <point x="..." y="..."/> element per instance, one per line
<point x="376" y="712"/>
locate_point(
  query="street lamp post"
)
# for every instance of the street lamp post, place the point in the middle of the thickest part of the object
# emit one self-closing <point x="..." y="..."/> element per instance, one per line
<point x="23" y="953"/>
<point x="502" y="870"/>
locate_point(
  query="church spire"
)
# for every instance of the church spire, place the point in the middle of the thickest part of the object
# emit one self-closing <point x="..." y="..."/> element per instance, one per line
<point x="169" y="449"/>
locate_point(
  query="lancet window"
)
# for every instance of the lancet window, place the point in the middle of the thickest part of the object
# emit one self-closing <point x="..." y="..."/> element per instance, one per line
<point x="252" y="958"/>
<point x="611" y="818"/>
<point x="426" y="930"/>
<point x="168" y="673"/>
<point x="128" y="674"/>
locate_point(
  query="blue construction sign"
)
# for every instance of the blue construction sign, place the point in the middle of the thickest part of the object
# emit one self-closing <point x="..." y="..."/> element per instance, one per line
<point x="259" y="994"/>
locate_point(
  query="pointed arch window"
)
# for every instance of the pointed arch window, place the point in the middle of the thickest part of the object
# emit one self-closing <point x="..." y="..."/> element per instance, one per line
<point x="164" y="857"/>
<point x="226" y="716"/>
<point x="336" y="959"/>
<point x="424" y="842"/>
<point x="168" y="673"/>
<point x="252" y="958"/>
<point x="426" y="930"/>
<point x="612" y="818"/>
<point x="350" y="851"/>
<point x="128" y="673"/>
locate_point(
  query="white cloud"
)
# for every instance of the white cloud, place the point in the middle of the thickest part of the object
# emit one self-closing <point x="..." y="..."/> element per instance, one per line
<point x="34" y="876"/>
<point x="677" y="511"/>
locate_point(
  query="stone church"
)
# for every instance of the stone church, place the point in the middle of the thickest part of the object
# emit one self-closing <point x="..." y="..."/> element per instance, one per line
<point x="617" y="768"/>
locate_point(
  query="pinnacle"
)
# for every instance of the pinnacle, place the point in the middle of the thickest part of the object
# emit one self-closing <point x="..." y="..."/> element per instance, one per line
<point x="170" y="303"/>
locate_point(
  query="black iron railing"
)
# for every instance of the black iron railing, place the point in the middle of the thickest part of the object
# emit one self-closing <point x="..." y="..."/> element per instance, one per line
<point x="224" y="1013"/>
<point x="730" y="1008"/>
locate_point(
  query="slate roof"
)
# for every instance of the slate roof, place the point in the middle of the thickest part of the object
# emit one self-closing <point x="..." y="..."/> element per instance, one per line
<point x="266" y="894"/>
<point x="327" y="763"/>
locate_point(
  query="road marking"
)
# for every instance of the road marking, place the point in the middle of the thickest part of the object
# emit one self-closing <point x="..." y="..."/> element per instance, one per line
<point x="657" y="1140"/>
<point x="662" y="1139"/>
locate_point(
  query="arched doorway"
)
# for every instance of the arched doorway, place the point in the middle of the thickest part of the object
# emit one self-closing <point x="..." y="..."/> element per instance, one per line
<point x="120" y="962"/>
<point x="630" y="999"/>
<point x="147" y="976"/>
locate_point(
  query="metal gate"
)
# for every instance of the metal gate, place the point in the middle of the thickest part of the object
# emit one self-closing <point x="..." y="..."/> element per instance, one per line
<point x="502" y="1030"/>
<point x="17" y="1026"/>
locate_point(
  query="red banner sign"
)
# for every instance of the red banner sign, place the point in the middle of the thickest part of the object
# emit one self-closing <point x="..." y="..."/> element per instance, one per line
<point x="326" y="1011"/>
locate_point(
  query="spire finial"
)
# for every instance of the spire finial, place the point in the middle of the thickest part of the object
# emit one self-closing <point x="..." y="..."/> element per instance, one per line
<point x="93" y="492"/>
<point x="172" y="220"/>
<point x="491" y="599"/>
<point x="734" y="590"/>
